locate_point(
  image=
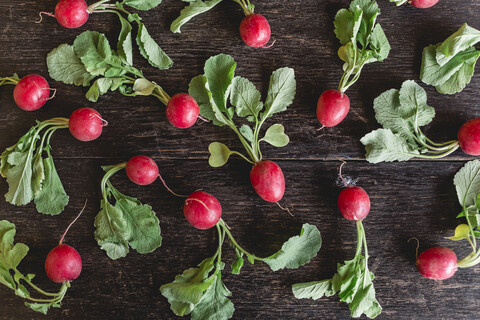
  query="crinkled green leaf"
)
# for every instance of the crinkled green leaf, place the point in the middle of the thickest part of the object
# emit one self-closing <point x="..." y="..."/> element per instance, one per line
<point x="275" y="135"/>
<point x="463" y="39"/>
<point x="149" y="48"/>
<point x="467" y="183"/>
<point x="281" y="91"/>
<point x="19" y="178"/>
<point x="94" y="51"/>
<point x="64" y="65"/>
<point x="219" y="154"/>
<point x="344" y="26"/>
<point x="187" y="290"/>
<point x="38" y="174"/>
<point x="313" y="290"/>
<point x="193" y="9"/>
<point x="197" y="89"/>
<point x="39" y="307"/>
<point x="10" y="255"/>
<point x="102" y="85"/>
<point x="219" y="71"/>
<point x="246" y="132"/>
<point x="379" y="43"/>
<point x="142" y="4"/>
<point x="238" y="264"/>
<point x="382" y="145"/>
<point x="454" y="75"/>
<point x="245" y="97"/>
<point x="298" y="250"/>
<point x="52" y="199"/>
<point x="214" y="304"/>
<point x="124" y="44"/>
<point x="111" y="231"/>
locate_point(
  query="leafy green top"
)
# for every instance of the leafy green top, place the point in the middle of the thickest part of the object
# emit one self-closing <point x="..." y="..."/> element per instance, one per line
<point x="197" y="7"/>
<point x="127" y="223"/>
<point x="10" y="257"/>
<point x="201" y="292"/>
<point x="449" y="66"/>
<point x="402" y="113"/>
<point x="29" y="175"/>
<point x="218" y="86"/>
<point x="363" y="40"/>
<point x="91" y="57"/>
<point x="352" y="282"/>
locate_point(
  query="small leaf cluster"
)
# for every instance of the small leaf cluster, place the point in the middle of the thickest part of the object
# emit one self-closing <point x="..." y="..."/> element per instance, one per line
<point x="127" y="223"/>
<point x="218" y="86"/>
<point x="30" y="175"/>
<point x="201" y="291"/>
<point x="449" y="66"/>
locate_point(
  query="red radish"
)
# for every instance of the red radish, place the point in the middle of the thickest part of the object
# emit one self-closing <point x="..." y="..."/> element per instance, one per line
<point x="182" y="110"/>
<point x="438" y="263"/>
<point x="268" y="181"/>
<point x="469" y="137"/>
<point x="71" y="13"/>
<point x="142" y="170"/>
<point x="202" y="210"/>
<point x="255" y="30"/>
<point x="423" y="4"/>
<point x="332" y="107"/>
<point x="86" y="124"/>
<point x="63" y="264"/>
<point x="31" y="92"/>
<point x="354" y="203"/>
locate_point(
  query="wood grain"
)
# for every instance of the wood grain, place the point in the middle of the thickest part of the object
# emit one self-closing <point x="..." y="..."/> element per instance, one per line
<point x="408" y="199"/>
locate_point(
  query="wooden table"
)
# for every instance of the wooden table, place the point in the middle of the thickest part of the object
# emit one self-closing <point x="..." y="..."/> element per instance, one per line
<point x="412" y="199"/>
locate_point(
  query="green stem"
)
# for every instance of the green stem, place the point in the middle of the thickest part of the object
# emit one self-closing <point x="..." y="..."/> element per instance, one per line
<point x="8" y="80"/>
<point x="439" y="156"/>
<point x="31" y="284"/>
<point x="249" y="150"/>
<point x="221" y="238"/>
<point x="159" y="93"/>
<point x="108" y="175"/>
<point x="360" y="237"/>
<point x="232" y="239"/>
<point x="92" y="7"/>
<point x="241" y="155"/>
<point x="244" y="6"/>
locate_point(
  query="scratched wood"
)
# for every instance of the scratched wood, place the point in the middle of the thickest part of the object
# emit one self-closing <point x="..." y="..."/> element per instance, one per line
<point x="414" y="199"/>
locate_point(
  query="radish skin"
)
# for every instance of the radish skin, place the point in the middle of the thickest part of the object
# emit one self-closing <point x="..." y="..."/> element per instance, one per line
<point x="255" y="30"/>
<point x="142" y="170"/>
<point x="438" y="263"/>
<point x="31" y="92"/>
<point x="268" y="181"/>
<point x="469" y="137"/>
<point x="202" y="210"/>
<point x="354" y="203"/>
<point x="332" y="107"/>
<point x="71" y="13"/>
<point x="63" y="264"/>
<point x="86" y="124"/>
<point x="182" y="111"/>
<point x="423" y="4"/>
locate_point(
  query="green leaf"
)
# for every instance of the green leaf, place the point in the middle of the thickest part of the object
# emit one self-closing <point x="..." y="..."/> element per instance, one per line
<point x="238" y="264"/>
<point x="64" y="65"/>
<point x="10" y="255"/>
<point x="193" y="9"/>
<point x="219" y="71"/>
<point x="52" y="199"/>
<point x="102" y="85"/>
<point x="149" y="49"/>
<point x="111" y="231"/>
<point x="143" y="87"/>
<point x="399" y="2"/>
<point x="379" y="43"/>
<point x="197" y="89"/>
<point x="384" y="145"/>
<point x="142" y="223"/>
<point x="39" y="307"/>
<point x="313" y="290"/>
<point x="187" y="290"/>
<point x="214" y="304"/>
<point x="124" y="44"/>
<point x="344" y="26"/>
<point x="219" y="154"/>
<point x="245" y="97"/>
<point x="451" y="77"/>
<point x="298" y="250"/>
<point x="94" y="51"/>
<point x="467" y="183"/>
<point x="462" y="231"/>
<point x="463" y="39"/>
<point x="142" y="4"/>
<point x="19" y="178"/>
<point x="276" y="136"/>
<point x="281" y="91"/>
<point x="247" y="132"/>
<point x="38" y="174"/>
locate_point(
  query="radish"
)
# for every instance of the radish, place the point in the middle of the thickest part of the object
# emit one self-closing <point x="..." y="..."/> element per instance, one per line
<point x="63" y="263"/>
<point x="31" y="92"/>
<point x="255" y="31"/>
<point x="438" y="263"/>
<point x="332" y="107"/>
<point x="86" y="124"/>
<point x="202" y="210"/>
<point x="469" y="137"/>
<point x="71" y="13"/>
<point x="182" y="110"/>
<point x="142" y="170"/>
<point x="354" y="203"/>
<point x="268" y="181"/>
<point x="423" y="4"/>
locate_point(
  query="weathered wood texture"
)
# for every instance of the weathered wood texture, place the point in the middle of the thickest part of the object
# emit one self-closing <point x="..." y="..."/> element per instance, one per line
<point x="408" y="199"/>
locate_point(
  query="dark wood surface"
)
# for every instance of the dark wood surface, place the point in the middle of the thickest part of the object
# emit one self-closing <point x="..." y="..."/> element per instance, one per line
<point x="414" y="199"/>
